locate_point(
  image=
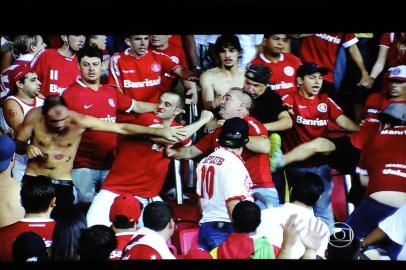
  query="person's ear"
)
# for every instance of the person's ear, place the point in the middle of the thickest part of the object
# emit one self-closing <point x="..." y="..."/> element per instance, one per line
<point x="19" y="84"/>
<point x="53" y="202"/>
<point x="299" y="81"/>
<point x="127" y="42"/>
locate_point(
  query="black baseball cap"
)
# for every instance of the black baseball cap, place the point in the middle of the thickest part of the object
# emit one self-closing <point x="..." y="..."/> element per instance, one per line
<point x="258" y="73"/>
<point x="29" y="247"/>
<point x="234" y="133"/>
<point x="310" y="68"/>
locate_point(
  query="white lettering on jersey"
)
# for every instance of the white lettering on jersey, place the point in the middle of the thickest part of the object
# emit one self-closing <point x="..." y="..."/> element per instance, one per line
<point x="393" y="132"/>
<point x="144" y="83"/>
<point x="329" y="38"/>
<point x="53" y="74"/>
<point x="115" y="254"/>
<point x="311" y="122"/>
<point x="374" y="111"/>
<point x="394" y="172"/>
<point x="281" y="85"/>
<point x="158" y="147"/>
<point x="257" y="130"/>
<point x="109" y="118"/>
<point x="53" y="88"/>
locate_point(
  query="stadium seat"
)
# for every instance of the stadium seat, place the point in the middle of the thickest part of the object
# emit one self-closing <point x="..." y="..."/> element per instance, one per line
<point x="188" y="240"/>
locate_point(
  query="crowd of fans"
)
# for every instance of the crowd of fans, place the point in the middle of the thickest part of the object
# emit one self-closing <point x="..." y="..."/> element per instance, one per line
<point x="94" y="129"/>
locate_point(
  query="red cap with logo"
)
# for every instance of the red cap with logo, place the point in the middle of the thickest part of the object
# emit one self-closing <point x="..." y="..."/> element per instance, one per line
<point x="17" y="73"/>
<point x="125" y="205"/>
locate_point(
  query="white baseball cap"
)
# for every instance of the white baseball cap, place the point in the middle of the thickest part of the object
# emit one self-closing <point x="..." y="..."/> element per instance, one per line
<point x="398" y="73"/>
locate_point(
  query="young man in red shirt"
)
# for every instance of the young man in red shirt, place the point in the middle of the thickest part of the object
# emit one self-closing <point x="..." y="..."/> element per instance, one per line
<point x="38" y="200"/>
<point x="57" y="69"/>
<point x="311" y="114"/>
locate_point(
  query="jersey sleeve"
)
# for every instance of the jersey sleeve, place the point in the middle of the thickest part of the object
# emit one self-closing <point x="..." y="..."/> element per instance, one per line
<point x="38" y="64"/>
<point x="348" y="40"/>
<point x="69" y="97"/>
<point x="385" y="40"/>
<point x="168" y="64"/>
<point x="288" y="100"/>
<point x="124" y="103"/>
<point x="207" y="143"/>
<point x="334" y="109"/>
<point x="114" y="76"/>
<point x="256" y="128"/>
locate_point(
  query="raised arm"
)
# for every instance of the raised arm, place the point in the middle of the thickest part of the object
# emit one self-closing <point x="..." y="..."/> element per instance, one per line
<point x="259" y="144"/>
<point x="184" y="152"/>
<point x="345" y="122"/>
<point x="357" y="57"/>
<point x="284" y="122"/>
<point x="143" y="107"/>
<point x="191" y="129"/>
<point x="174" y="134"/>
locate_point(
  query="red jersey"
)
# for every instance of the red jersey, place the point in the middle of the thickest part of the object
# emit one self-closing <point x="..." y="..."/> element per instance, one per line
<point x="375" y="104"/>
<point x="140" y="167"/>
<point x="178" y="56"/>
<point x="384" y="158"/>
<point x="122" y="240"/>
<point x="97" y="148"/>
<point x="283" y="73"/>
<point x="391" y="40"/>
<point x="322" y="49"/>
<point x="175" y="40"/>
<point x="140" y="77"/>
<point x="41" y="226"/>
<point x="257" y="164"/>
<point x="310" y="118"/>
<point x="23" y="60"/>
<point x="55" y="71"/>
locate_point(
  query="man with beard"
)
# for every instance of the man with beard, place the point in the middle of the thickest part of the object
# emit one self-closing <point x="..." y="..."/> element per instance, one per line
<point x="217" y="81"/>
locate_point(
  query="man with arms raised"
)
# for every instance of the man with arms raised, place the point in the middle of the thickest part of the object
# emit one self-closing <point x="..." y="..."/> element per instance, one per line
<point x="55" y="133"/>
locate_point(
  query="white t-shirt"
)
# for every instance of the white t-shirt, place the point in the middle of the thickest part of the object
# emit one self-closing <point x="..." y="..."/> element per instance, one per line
<point x="395" y="227"/>
<point x="221" y="177"/>
<point x="272" y="218"/>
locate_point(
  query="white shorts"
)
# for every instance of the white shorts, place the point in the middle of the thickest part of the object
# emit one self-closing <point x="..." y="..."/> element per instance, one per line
<point x="99" y="210"/>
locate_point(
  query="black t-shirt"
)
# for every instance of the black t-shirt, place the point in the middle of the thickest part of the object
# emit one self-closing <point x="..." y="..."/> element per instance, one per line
<point x="267" y="107"/>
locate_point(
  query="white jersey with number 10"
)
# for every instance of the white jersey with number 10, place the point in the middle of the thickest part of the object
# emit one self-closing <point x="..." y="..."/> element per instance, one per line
<point x="221" y="177"/>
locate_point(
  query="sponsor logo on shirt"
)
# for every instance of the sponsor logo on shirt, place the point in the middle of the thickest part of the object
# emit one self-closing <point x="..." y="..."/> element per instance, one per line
<point x="311" y="122"/>
<point x="289" y="71"/>
<point x="128" y="71"/>
<point x="109" y="118"/>
<point x="87" y="106"/>
<point x="302" y="106"/>
<point x="393" y="132"/>
<point x="322" y="107"/>
<point x="329" y="38"/>
<point x="53" y="88"/>
<point x="395" y="172"/>
<point x="282" y="85"/>
<point x="141" y="84"/>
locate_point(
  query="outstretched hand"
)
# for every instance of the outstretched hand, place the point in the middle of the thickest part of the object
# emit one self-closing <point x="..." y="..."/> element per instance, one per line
<point x="314" y="235"/>
<point x="174" y="134"/>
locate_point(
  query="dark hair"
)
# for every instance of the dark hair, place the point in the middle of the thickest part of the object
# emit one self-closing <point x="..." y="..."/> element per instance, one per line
<point x="157" y="215"/>
<point x="29" y="247"/>
<point x="36" y="194"/>
<point x="22" y="43"/>
<point x="52" y="101"/>
<point x="122" y="222"/>
<point x="227" y="41"/>
<point x="342" y="246"/>
<point x="307" y="189"/>
<point x="96" y="243"/>
<point x="246" y="217"/>
<point x="66" y="236"/>
<point x="90" y="51"/>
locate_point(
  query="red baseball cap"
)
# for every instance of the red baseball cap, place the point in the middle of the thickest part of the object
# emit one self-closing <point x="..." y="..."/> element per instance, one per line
<point x="17" y="73"/>
<point x="125" y="205"/>
<point x="397" y="73"/>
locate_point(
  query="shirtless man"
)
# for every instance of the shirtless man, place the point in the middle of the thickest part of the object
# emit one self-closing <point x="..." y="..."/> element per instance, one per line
<point x="217" y="81"/>
<point x="55" y="133"/>
<point x="10" y="207"/>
